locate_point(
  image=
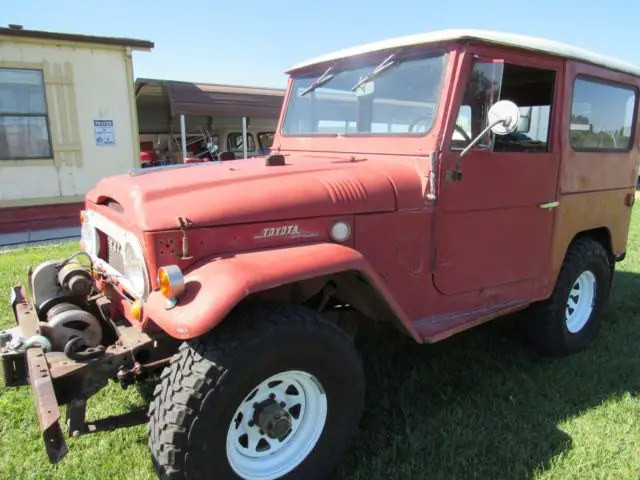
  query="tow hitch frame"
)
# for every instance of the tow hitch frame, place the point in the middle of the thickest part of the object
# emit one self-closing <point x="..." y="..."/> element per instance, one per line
<point x="56" y="380"/>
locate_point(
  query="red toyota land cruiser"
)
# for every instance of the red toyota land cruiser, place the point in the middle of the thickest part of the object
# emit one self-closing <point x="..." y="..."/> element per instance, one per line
<point x="434" y="181"/>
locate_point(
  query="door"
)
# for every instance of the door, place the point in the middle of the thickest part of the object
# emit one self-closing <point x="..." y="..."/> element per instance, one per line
<point x="494" y="224"/>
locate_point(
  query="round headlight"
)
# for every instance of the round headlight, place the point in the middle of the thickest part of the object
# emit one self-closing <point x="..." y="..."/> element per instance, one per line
<point x="89" y="240"/>
<point x="134" y="269"/>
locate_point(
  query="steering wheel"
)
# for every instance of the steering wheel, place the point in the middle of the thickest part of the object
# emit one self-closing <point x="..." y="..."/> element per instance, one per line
<point x="429" y="117"/>
<point x="461" y="131"/>
<point x="424" y="118"/>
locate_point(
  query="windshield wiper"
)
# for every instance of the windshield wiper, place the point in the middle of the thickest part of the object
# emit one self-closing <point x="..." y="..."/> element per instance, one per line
<point x="388" y="62"/>
<point x="321" y="80"/>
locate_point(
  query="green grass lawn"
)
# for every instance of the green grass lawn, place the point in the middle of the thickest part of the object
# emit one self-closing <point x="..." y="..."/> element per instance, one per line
<point x="479" y="405"/>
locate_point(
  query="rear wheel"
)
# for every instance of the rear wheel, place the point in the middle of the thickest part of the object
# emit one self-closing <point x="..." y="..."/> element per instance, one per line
<point x="273" y="392"/>
<point x="570" y="318"/>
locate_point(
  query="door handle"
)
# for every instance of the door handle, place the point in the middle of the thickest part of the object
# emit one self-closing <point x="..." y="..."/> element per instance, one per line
<point x="549" y="205"/>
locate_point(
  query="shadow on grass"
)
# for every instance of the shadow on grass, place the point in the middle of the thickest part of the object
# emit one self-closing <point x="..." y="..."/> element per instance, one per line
<point x="483" y="405"/>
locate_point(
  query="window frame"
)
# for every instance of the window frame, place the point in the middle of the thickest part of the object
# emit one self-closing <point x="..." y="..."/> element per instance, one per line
<point x="50" y="155"/>
<point x="503" y="59"/>
<point x="408" y="54"/>
<point x="606" y="82"/>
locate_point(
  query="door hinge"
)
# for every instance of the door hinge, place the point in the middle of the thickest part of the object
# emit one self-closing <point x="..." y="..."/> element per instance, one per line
<point x="433" y="176"/>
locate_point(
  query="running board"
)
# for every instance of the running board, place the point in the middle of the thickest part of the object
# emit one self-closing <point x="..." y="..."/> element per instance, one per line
<point x="436" y="328"/>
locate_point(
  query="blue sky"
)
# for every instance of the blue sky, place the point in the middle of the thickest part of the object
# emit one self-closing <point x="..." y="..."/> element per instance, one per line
<point x="252" y="42"/>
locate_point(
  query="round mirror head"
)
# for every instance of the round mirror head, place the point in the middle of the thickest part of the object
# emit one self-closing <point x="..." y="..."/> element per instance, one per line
<point x="507" y="113"/>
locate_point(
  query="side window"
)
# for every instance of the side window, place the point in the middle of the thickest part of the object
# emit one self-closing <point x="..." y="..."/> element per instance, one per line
<point x="532" y="89"/>
<point x="234" y="143"/>
<point x="482" y="91"/>
<point x="24" y="127"/>
<point x="602" y="115"/>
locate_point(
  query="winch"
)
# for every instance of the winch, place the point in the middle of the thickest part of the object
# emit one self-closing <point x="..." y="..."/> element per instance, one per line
<point x="60" y="290"/>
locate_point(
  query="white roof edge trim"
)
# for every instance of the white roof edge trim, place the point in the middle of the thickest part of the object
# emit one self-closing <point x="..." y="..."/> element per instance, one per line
<point x="550" y="47"/>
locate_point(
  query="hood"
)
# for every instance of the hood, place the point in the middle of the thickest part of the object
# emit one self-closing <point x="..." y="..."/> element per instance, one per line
<point x="248" y="191"/>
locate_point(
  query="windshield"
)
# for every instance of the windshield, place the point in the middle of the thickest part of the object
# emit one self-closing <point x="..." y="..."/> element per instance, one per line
<point x="401" y="98"/>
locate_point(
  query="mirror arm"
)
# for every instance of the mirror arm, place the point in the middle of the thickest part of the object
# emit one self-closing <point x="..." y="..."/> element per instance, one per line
<point x="457" y="175"/>
<point x="506" y="113"/>
<point x="480" y="135"/>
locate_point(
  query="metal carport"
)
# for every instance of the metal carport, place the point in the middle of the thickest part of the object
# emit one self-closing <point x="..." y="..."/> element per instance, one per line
<point x="170" y="106"/>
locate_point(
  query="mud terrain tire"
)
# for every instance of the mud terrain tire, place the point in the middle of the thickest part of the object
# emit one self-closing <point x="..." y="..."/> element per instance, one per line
<point x="196" y="404"/>
<point x="570" y="318"/>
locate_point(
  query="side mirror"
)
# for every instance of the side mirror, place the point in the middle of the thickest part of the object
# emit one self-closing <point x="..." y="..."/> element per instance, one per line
<point x="504" y="117"/>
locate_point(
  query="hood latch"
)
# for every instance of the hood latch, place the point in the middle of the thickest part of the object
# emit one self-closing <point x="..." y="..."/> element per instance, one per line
<point x="185" y="223"/>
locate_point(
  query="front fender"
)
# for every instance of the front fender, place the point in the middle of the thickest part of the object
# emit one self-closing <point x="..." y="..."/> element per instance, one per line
<point x="213" y="288"/>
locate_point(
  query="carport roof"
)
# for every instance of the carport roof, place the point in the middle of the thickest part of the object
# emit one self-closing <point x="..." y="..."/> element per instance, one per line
<point x="209" y="99"/>
<point x="19" y="31"/>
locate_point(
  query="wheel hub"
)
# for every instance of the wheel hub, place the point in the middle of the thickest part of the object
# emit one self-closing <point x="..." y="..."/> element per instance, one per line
<point x="272" y="418"/>
<point x="581" y="302"/>
<point x="276" y="425"/>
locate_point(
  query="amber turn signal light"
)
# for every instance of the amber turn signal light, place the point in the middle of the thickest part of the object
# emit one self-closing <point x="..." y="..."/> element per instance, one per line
<point x="170" y="281"/>
<point x="136" y="310"/>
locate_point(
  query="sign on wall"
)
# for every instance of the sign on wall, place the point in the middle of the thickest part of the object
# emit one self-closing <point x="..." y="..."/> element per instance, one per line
<point x="104" y="132"/>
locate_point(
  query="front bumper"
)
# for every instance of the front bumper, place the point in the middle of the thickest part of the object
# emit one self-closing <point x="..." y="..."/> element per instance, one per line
<point x="31" y="366"/>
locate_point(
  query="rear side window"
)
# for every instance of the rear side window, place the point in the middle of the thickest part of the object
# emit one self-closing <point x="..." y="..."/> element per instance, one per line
<point x="602" y="115"/>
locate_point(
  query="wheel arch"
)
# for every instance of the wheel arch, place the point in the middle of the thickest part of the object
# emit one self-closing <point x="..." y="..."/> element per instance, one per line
<point x="601" y="234"/>
<point x="297" y="274"/>
<point x="347" y="288"/>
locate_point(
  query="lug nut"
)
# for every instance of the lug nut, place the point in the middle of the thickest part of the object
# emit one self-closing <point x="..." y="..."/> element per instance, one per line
<point x="272" y="396"/>
<point x="282" y="404"/>
<point x="251" y="424"/>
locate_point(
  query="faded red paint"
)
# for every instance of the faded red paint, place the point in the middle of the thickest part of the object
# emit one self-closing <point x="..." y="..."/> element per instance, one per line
<point x="165" y="248"/>
<point x="248" y="192"/>
<point x="441" y="266"/>
<point x="214" y="287"/>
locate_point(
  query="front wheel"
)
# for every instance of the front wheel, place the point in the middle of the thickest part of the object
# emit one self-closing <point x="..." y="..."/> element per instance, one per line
<point x="273" y="392"/>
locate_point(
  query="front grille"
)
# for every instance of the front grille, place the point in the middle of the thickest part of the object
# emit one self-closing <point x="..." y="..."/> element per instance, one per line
<point x="115" y="254"/>
<point x="111" y="252"/>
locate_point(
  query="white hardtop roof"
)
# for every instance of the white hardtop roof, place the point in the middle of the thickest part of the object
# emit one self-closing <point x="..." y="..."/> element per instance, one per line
<point x="509" y="39"/>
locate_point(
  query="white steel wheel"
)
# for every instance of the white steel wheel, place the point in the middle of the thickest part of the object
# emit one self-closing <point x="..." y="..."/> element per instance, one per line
<point x="276" y="426"/>
<point x="581" y="302"/>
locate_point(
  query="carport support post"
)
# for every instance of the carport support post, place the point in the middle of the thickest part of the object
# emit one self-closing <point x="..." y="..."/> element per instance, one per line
<point x="244" y="136"/>
<point x="183" y="136"/>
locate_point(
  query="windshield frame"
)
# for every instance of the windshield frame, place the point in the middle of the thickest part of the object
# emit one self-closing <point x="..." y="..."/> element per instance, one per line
<point x="370" y="62"/>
